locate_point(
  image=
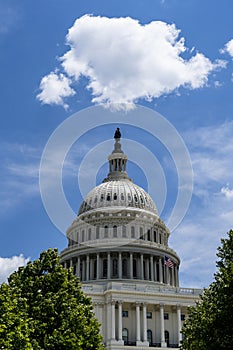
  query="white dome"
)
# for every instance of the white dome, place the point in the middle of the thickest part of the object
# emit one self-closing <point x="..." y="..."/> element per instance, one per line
<point x="118" y="193"/>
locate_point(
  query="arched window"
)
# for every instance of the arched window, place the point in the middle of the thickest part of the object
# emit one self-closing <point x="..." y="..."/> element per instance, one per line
<point x="123" y="231"/>
<point x="141" y="232"/>
<point x="124" y="268"/>
<point x="115" y="268"/>
<point x="149" y="336"/>
<point x="160" y="238"/>
<point x="155" y="238"/>
<point x="132" y="232"/>
<point x="125" y="335"/>
<point x="115" y="231"/>
<point x="89" y="234"/>
<point x="105" y="231"/>
<point x="97" y="232"/>
<point x="166" y="335"/>
<point x="148" y="235"/>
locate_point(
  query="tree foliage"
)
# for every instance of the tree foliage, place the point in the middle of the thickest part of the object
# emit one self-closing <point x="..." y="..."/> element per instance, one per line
<point x="210" y="323"/>
<point x="43" y="307"/>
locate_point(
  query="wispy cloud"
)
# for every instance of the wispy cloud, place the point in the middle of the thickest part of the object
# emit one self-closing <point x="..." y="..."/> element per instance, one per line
<point x="211" y="213"/>
<point x="19" y="174"/>
<point x="9" y="265"/>
<point x="108" y="52"/>
<point x="9" y="16"/>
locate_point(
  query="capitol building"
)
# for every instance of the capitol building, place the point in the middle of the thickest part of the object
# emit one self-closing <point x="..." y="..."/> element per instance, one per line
<point x="118" y="247"/>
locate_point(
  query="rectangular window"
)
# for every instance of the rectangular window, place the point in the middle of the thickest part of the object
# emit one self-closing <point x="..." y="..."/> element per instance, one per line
<point x="182" y="317"/>
<point x="166" y="316"/>
<point x="125" y="313"/>
<point x="149" y="314"/>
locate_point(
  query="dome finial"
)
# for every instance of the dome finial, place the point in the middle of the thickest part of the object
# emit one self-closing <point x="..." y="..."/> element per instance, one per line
<point x="117" y="134"/>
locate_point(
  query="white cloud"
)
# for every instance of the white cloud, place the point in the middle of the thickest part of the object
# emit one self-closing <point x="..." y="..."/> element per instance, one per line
<point x="9" y="265"/>
<point x="228" y="193"/>
<point x="125" y="61"/>
<point x="228" y="48"/>
<point x="54" y="88"/>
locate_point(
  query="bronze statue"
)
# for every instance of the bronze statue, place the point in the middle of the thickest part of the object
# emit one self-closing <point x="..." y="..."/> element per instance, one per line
<point x="117" y="134"/>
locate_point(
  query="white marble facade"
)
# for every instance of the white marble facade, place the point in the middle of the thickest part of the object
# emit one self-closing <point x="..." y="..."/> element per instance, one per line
<point x="118" y="246"/>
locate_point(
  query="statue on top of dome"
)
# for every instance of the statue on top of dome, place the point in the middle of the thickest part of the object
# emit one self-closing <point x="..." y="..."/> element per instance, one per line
<point x="117" y="134"/>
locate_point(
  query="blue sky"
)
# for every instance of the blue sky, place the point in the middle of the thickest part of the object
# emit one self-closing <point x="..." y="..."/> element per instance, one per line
<point x="173" y="57"/>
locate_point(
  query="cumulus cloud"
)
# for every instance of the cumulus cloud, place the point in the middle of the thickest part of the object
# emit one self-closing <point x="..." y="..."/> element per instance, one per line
<point x="9" y="265"/>
<point x="124" y="61"/>
<point x="228" y="48"/>
<point x="54" y="88"/>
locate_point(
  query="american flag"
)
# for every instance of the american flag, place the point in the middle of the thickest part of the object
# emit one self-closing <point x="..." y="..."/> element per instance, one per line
<point x="169" y="262"/>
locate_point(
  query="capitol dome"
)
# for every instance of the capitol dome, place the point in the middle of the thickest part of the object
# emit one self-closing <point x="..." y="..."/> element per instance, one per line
<point x="117" y="194"/>
<point x="118" y="247"/>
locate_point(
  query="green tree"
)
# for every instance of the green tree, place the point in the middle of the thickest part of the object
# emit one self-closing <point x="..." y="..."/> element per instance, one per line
<point x="210" y="323"/>
<point x="43" y="307"/>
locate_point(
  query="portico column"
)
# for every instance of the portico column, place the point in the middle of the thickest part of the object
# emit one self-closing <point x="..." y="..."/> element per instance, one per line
<point x="160" y="271"/>
<point x="87" y="267"/>
<point x="162" y="335"/>
<point x="113" y="332"/>
<point x="131" y="265"/>
<point x="179" y="324"/>
<point x="137" y="322"/>
<point x="144" y="323"/>
<point x="109" y="267"/>
<point x="151" y="268"/>
<point x="120" y="321"/>
<point x="71" y="262"/>
<point x="98" y="266"/>
<point x="120" y="265"/>
<point x="142" y="270"/>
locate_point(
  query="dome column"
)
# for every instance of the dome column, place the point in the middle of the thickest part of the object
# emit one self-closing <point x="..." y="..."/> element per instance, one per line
<point x="151" y="268"/>
<point x="97" y="266"/>
<point x="78" y="267"/>
<point x="160" y="271"/>
<point x="120" y="265"/>
<point x="87" y="268"/>
<point x="131" y="265"/>
<point x="109" y="267"/>
<point x="142" y="267"/>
